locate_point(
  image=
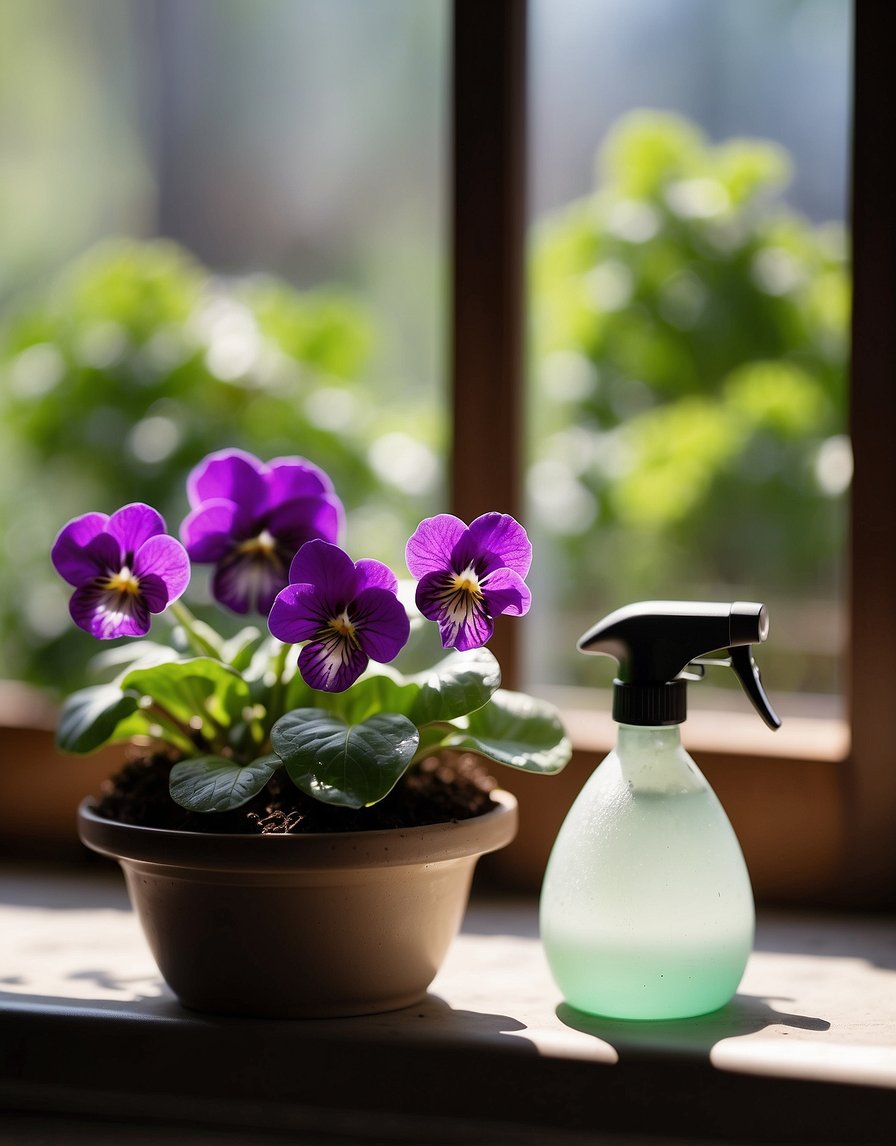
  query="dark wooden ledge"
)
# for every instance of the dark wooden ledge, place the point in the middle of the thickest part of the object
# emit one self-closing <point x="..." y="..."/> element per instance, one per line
<point x="805" y="1053"/>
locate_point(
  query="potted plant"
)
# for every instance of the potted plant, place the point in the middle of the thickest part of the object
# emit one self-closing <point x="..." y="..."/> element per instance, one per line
<point x="294" y="835"/>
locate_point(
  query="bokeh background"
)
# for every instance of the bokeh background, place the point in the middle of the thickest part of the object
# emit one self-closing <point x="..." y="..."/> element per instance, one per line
<point x="224" y="222"/>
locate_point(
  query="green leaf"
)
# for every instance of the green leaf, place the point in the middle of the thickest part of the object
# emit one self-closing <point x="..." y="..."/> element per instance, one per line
<point x="263" y="661"/>
<point x="195" y="636"/>
<point x="371" y="695"/>
<point x="122" y="658"/>
<point x="750" y="167"/>
<point x="298" y="694"/>
<point x="644" y="150"/>
<point x="239" y="649"/>
<point x="456" y="686"/>
<point x="350" y="765"/>
<point x="679" y="450"/>
<point x="517" y="730"/>
<point x="778" y="396"/>
<point x="213" y="784"/>
<point x="89" y="718"/>
<point x="197" y="687"/>
<point x="433" y="738"/>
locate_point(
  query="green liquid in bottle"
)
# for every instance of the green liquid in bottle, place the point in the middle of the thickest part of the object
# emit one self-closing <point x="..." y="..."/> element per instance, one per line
<point x="646" y="910"/>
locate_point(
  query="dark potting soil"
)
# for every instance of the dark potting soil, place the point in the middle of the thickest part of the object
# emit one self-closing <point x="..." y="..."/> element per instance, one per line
<point x="437" y="791"/>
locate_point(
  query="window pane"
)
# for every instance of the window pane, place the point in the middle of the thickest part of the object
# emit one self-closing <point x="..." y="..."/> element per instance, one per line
<point x="689" y="308"/>
<point x="291" y="155"/>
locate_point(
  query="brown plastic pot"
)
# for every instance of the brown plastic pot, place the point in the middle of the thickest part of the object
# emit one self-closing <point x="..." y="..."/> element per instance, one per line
<point x="300" y="926"/>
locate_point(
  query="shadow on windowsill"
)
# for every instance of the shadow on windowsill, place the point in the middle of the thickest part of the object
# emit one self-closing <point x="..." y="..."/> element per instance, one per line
<point x="744" y="1015"/>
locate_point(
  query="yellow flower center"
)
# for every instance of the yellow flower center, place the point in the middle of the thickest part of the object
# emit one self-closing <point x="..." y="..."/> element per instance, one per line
<point x="263" y="545"/>
<point x="467" y="582"/>
<point x="123" y="582"/>
<point x="343" y="626"/>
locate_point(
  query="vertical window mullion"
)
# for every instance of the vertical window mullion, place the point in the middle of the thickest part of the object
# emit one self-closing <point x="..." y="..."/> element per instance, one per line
<point x="488" y="262"/>
<point x="872" y="655"/>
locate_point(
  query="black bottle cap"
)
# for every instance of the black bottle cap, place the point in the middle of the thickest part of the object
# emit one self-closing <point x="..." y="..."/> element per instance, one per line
<point x="655" y="641"/>
<point x="651" y="705"/>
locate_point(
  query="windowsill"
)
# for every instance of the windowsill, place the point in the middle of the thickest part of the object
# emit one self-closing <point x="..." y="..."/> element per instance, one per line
<point x="722" y="723"/>
<point x="765" y="780"/>
<point x="806" y="1051"/>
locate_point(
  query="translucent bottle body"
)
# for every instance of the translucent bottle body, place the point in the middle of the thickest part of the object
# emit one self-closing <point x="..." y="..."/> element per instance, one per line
<point x="646" y="908"/>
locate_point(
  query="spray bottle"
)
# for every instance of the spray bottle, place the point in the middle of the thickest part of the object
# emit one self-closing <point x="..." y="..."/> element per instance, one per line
<point x="646" y="909"/>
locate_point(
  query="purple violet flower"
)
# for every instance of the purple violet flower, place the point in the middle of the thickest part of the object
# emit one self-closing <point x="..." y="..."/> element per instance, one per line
<point x="124" y="568"/>
<point x="469" y="575"/>
<point x="348" y="613"/>
<point x="249" y="519"/>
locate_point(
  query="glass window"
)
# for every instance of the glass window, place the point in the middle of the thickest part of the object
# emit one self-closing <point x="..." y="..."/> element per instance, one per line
<point x="689" y="308"/>
<point x="223" y="225"/>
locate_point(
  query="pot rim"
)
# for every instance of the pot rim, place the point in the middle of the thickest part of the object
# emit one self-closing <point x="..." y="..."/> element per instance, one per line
<point x="215" y="851"/>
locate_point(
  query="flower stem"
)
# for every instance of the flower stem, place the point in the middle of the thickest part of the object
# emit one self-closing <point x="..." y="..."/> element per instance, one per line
<point x="205" y="724"/>
<point x="432" y="737"/>
<point x="169" y="729"/>
<point x="278" y="688"/>
<point x="190" y="625"/>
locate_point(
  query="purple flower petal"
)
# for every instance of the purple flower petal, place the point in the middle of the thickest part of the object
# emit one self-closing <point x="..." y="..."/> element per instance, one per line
<point x="133" y="524"/>
<point x="467" y="576"/>
<point x="432" y="545"/>
<point x="461" y="612"/>
<point x="332" y="664"/>
<point x="248" y="580"/>
<point x="296" y="614"/>
<point x="374" y="574"/>
<point x="124" y="568"/>
<point x="506" y="592"/>
<point x="305" y="519"/>
<point x="105" y="554"/>
<point x="289" y="479"/>
<point x="108" y="613"/>
<point x="250" y="519"/>
<point x="154" y="592"/>
<point x="381" y="624"/>
<point x="70" y="555"/>
<point x="164" y="559"/>
<point x="476" y="633"/>
<point x="347" y="613"/>
<point x="329" y="569"/>
<point x="208" y="531"/>
<point x="231" y="474"/>
<point x="500" y="542"/>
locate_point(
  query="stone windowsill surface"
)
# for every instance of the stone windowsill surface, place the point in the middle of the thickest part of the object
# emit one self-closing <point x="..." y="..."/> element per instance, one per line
<point x="805" y="1053"/>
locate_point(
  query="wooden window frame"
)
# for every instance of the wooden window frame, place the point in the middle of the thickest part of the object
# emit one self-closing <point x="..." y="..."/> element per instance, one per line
<point x="815" y="808"/>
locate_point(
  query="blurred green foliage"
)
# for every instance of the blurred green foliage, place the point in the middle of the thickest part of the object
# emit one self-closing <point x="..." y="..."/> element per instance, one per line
<point x="137" y="362"/>
<point x="690" y="337"/>
<point x="688" y="407"/>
